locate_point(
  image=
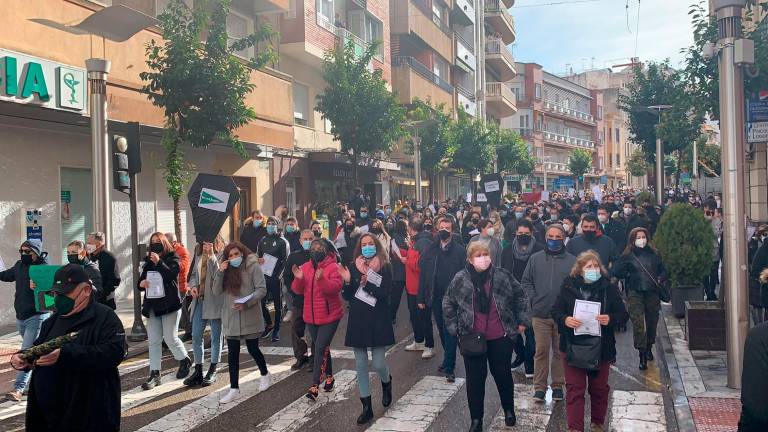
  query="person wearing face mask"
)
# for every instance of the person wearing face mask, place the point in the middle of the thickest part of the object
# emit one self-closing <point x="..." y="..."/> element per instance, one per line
<point x="377" y="229"/>
<point x="291" y="233"/>
<point x="571" y="225"/>
<point x="541" y="281"/>
<point x="240" y="281"/>
<point x="631" y="219"/>
<point x="28" y="319"/>
<point x="162" y="307"/>
<point x="253" y="230"/>
<point x="593" y="239"/>
<point x="317" y="230"/>
<point x="421" y="317"/>
<point x="470" y="227"/>
<point x="349" y="233"/>
<point x="363" y="217"/>
<point x="539" y="229"/>
<point x="711" y="281"/>
<point x="76" y="254"/>
<point x="398" y="256"/>
<point x="319" y="281"/>
<point x="369" y="327"/>
<point x="77" y="386"/>
<point x="488" y="303"/>
<point x="273" y="244"/>
<point x="95" y="245"/>
<point x="295" y="260"/>
<point x="487" y="236"/>
<point x="641" y="268"/>
<point x="588" y="280"/>
<point x="612" y="227"/>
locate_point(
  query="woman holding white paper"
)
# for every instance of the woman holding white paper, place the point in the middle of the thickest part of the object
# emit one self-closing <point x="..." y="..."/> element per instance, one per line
<point x="587" y="359"/>
<point x="162" y="306"/>
<point x="240" y="279"/>
<point x="367" y="287"/>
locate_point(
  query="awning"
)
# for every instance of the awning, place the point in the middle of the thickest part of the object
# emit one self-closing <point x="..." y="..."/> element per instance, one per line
<point x="408" y="181"/>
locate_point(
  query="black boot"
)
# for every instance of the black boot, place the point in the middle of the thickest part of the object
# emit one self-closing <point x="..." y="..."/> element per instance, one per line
<point x="510" y="419"/>
<point x="643" y="361"/>
<point x="184" y="366"/>
<point x="649" y="353"/>
<point x="196" y="378"/>
<point x="367" y="413"/>
<point x="386" y="392"/>
<point x="476" y="425"/>
<point x="153" y="381"/>
<point x="210" y="377"/>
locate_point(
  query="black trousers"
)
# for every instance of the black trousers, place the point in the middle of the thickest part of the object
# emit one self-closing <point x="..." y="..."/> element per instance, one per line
<point x="749" y="423"/>
<point x="322" y="335"/>
<point x="185" y="323"/>
<point x="297" y="331"/>
<point x="421" y="322"/>
<point x="395" y="295"/>
<point x="525" y="349"/>
<point x="497" y="358"/>
<point x="273" y="290"/>
<point x="233" y="345"/>
<point x="711" y="281"/>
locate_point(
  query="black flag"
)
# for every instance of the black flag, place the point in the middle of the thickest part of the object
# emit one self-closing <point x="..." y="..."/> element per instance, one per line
<point x="492" y="186"/>
<point x="211" y="198"/>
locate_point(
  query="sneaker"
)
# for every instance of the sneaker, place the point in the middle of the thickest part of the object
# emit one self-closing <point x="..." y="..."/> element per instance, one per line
<point x="264" y="382"/>
<point x="441" y="369"/>
<point x="416" y="346"/>
<point x="539" y="396"/>
<point x="528" y="375"/>
<point x="597" y="428"/>
<point x="450" y="377"/>
<point x="557" y="394"/>
<point x="267" y="331"/>
<point x="288" y="316"/>
<point x="428" y="353"/>
<point x="231" y="395"/>
<point x="275" y="337"/>
<point x="300" y="363"/>
<point x="14" y="396"/>
<point x="313" y="393"/>
<point x="328" y="386"/>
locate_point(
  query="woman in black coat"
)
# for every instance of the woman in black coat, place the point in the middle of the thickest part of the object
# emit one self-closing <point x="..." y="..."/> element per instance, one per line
<point x="399" y="232"/>
<point x="162" y="307"/>
<point x="367" y="286"/>
<point x="588" y="281"/>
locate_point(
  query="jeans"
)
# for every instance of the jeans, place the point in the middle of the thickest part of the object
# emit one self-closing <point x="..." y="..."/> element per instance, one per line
<point x="233" y="345"/>
<point x="421" y="322"/>
<point x="273" y="289"/>
<point x="448" y="342"/>
<point x="29" y="329"/>
<point x="576" y="382"/>
<point x="395" y="295"/>
<point x="198" y="327"/>
<point x="547" y="337"/>
<point x="161" y="328"/>
<point x="322" y="335"/>
<point x="497" y="357"/>
<point x="361" y="366"/>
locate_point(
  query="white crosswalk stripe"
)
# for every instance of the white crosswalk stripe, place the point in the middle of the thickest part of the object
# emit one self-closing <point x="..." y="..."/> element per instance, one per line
<point x="531" y="416"/>
<point x="419" y="407"/>
<point x="637" y="411"/>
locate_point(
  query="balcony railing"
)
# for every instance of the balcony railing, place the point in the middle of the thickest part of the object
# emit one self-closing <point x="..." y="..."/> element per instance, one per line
<point x="426" y="9"/>
<point x="497" y="46"/>
<point x="465" y="92"/>
<point x="345" y="36"/>
<point x="498" y="7"/>
<point x="469" y="46"/>
<point x="568" y="140"/>
<point x="524" y="132"/>
<point x="568" y="112"/>
<point x="499" y="89"/>
<point x="421" y="69"/>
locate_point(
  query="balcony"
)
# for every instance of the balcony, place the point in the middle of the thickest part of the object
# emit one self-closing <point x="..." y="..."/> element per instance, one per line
<point x="465" y="53"/>
<point x="345" y="36"/>
<point x="567" y="141"/>
<point x="499" y="100"/>
<point x="415" y="17"/>
<point x="500" y="59"/>
<point x="509" y="3"/>
<point x="463" y="12"/>
<point x="412" y="79"/>
<point x="568" y="113"/>
<point x="266" y="6"/>
<point x="500" y="20"/>
<point x="555" y="167"/>
<point x="465" y="99"/>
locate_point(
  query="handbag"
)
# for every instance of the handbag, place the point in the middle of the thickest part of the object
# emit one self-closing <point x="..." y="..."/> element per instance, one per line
<point x="473" y="344"/>
<point x="584" y="352"/>
<point x="664" y="294"/>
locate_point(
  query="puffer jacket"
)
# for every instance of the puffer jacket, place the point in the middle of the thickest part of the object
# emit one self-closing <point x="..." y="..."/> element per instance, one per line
<point x="511" y="302"/>
<point x="249" y="321"/>
<point x="420" y="243"/>
<point x="322" y="299"/>
<point x="629" y="268"/>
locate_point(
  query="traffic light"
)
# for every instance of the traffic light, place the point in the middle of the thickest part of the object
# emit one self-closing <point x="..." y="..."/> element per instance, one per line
<point x="126" y="156"/>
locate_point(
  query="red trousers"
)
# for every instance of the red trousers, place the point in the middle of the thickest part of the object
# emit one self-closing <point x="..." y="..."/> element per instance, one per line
<point x="577" y="381"/>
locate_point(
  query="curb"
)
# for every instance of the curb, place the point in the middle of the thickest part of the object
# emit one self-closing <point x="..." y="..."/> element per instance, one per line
<point x="682" y="408"/>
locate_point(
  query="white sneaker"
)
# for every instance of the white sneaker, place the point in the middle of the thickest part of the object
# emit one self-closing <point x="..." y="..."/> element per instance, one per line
<point x="231" y="395"/>
<point x="288" y="316"/>
<point x="416" y="346"/>
<point x="264" y="383"/>
<point x="428" y="353"/>
<point x="529" y="376"/>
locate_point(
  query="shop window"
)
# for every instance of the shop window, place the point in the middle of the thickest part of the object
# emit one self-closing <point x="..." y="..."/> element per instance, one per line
<point x="239" y="26"/>
<point x="300" y="104"/>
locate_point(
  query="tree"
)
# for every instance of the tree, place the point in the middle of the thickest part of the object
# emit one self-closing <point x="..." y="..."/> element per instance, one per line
<point x="579" y="163"/>
<point x="471" y="150"/>
<point x="435" y="147"/>
<point x="365" y="117"/>
<point x="201" y="87"/>
<point x="512" y="153"/>
<point x="637" y="165"/>
<point x="708" y="155"/>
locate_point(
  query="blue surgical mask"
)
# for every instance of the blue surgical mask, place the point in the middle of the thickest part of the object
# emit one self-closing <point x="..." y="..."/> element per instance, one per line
<point x="519" y="215"/>
<point x="257" y="223"/>
<point x="306" y="244"/>
<point x="369" y="251"/>
<point x="235" y="262"/>
<point x="290" y="229"/>
<point x="271" y="229"/>
<point x="363" y="214"/>
<point x="554" y="245"/>
<point x="591" y="275"/>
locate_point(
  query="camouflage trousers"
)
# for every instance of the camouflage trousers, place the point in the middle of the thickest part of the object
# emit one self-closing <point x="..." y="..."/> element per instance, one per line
<point x="644" y="309"/>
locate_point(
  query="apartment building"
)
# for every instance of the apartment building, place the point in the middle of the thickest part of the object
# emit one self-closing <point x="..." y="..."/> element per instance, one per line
<point x="556" y="116"/>
<point x="498" y="66"/>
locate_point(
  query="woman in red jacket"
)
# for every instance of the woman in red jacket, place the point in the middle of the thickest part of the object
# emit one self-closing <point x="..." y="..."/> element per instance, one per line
<point x="318" y="280"/>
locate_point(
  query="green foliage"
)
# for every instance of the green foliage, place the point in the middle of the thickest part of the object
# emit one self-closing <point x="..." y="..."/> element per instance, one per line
<point x="709" y="154"/>
<point x="580" y="162"/>
<point x="471" y="149"/>
<point x="684" y="239"/>
<point x="644" y="197"/>
<point x="670" y="165"/>
<point x="512" y="153"/>
<point x="435" y="148"/>
<point x="365" y="117"/>
<point x="637" y="163"/>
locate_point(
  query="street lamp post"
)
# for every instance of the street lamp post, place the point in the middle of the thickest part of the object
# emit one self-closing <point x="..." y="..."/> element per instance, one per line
<point x="659" y="157"/>
<point x="416" y="125"/>
<point x="98" y="70"/>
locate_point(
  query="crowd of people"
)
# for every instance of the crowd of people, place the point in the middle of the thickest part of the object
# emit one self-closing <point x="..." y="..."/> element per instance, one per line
<point x="499" y="282"/>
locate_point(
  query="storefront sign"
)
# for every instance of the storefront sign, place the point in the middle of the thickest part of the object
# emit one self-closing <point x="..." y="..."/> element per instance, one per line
<point x="213" y="200"/>
<point x="30" y="80"/>
<point x="757" y="132"/>
<point x="757" y="111"/>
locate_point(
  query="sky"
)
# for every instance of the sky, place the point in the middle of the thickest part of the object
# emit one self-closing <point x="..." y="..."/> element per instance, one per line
<point x="598" y="34"/>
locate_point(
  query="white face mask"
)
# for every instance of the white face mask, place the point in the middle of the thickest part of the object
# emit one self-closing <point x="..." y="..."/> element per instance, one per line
<point x="602" y="218"/>
<point x="490" y="232"/>
<point x="481" y="263"/>
<point x="567" y="227"/>
<point x="90" y="248"/>
<point x="641" y="242"/>
<point x="627" y="211"/>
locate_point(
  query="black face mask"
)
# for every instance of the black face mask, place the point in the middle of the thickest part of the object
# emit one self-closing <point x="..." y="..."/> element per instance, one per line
<point x="534" y="216"/>
<point x="316" y="256"/>
<point x="156" y="248"/>
<point x="475" y="221"/>
<point x="376" y="230"/>
<point x="524" y="239"/>
<point x="26" y="259"/>
<point x="349" y="228"/>
<point x="390" y="227"/>
<point x="74" y="259"/>
<point x="427" y="227"/>
<point x="444" y="234"/>
<point x="318" y="234"/>
<point x="590" y="235"/>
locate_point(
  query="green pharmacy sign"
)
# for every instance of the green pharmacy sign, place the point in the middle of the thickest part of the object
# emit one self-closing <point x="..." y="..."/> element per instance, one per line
<point x="31" y="80"/>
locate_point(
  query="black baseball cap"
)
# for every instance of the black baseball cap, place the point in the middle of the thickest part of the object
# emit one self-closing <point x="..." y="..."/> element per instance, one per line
<point x="68" y="278"/>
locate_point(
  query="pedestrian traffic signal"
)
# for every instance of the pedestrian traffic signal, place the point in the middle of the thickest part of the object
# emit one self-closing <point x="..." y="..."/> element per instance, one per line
<point x="126" y="160"/>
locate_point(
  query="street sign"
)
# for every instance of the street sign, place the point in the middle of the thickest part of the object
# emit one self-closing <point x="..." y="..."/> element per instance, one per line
<point x="603" y="179"/>
<point x="757" y="132"/>
<point x="757" y="111"/>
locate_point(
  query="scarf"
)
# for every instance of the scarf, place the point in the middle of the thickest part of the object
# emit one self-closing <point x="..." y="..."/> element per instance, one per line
<point x="363" y="264"/>
<point x="521" y="252"/>
<point x="479" y="280"/>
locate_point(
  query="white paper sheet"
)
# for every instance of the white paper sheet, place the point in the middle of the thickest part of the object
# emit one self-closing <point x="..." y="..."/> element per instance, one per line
<point x="243" y="300"/>
<point x="365" y="297"/>
<point x="545" y="195"/>
<point x="156" y="288"/>
<point x="394" y="248"/>
<point x="481" y="197"/>
<point x="374" y="277"/>
<point x="2" y="264"/>
<point x="587" y="312"/>
<point x="341" y="241"/>
<point x="363" y="229"/>
<point x="492" y="186"/>
<point x="268" y="267"/>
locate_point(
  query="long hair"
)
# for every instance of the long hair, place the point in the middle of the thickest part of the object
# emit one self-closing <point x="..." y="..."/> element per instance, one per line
<point x="583" y="259"/>
<point x="380" y="251"/>
<point x="167" y="246"/>
<point x="232" y="275"/>
<point x="633" y="236"/>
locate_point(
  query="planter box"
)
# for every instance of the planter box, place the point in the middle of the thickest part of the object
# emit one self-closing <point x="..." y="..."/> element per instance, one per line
<point x="705" y="325"/>
<point x="683" y="293"/>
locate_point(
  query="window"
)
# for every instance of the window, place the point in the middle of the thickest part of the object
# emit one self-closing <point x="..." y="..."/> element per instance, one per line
<point x="160" y="5"/>
<point x="618" y="136"/>
<point x="522" y="122"/>
<point x="239" y="26"/>
<point x="325" y="8"/>
<point x="610" y="161"/>
<point x="538" y="91"/>
<point x="374" y="31"/>
<point x="300" y="104"/>
<point x="618" y="159"/>
<point x="291" y="13"/>
<point x="600" y="112"/>
<point x="440" y="67"/>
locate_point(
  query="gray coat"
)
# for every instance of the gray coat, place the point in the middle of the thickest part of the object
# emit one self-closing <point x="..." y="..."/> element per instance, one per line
<point x="249" y="321"/>
<point x="212" y="303"/>
<point x="542" y="279"/>
<point x="458" y="303"/>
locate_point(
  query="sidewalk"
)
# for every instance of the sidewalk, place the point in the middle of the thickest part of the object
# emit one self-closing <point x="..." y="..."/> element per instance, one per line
<point x="702" y="400"/>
